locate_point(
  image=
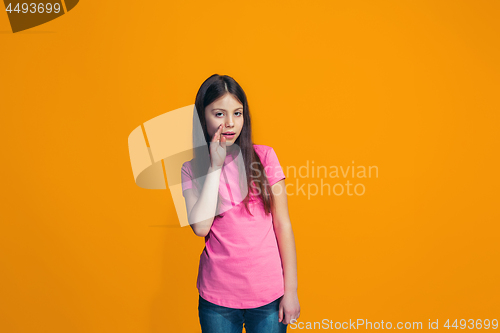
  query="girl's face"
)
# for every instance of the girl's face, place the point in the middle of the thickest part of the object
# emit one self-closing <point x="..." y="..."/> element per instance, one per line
<point x="228" y="112"/>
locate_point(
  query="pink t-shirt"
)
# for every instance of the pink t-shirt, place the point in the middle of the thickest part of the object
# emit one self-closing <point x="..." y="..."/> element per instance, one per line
<point x="240" y="266"/>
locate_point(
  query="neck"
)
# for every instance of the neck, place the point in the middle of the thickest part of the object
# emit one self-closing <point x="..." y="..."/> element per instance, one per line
<point x="231" y="148"/>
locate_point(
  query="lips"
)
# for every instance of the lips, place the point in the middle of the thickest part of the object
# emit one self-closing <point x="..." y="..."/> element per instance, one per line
<point x="229" y="133"/>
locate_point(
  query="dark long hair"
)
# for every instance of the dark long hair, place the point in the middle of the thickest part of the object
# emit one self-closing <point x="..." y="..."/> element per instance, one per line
<point x="215" y="87"/>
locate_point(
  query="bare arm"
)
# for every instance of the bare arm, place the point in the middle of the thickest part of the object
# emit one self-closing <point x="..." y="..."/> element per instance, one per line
<point x="201" y="211"/>
<point x="289" y="307"/>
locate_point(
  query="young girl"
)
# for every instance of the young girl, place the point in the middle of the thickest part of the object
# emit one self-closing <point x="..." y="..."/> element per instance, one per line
<point x="235" y="198"/>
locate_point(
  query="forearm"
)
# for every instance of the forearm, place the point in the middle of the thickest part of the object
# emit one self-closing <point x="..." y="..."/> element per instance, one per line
<point x="203" y="212"/>
<point x="286" y="243"/>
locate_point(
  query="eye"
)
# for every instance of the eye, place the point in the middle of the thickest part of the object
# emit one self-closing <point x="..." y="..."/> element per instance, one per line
<point x="240" y="113"/>
<point x="218" y="114"/>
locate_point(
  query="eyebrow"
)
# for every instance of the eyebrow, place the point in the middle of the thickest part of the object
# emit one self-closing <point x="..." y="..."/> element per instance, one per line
<point x="225" y="109"/>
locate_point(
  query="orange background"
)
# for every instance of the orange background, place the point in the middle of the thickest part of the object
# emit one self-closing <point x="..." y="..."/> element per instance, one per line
<point x="411" y="87"/>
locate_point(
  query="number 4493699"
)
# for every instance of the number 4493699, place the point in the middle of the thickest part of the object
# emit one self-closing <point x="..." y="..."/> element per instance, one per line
<point x="472" y="324"/>
<point x="34" y="8"/>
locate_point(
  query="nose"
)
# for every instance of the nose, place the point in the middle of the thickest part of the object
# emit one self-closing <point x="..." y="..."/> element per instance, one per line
<point x="229" y="121"/>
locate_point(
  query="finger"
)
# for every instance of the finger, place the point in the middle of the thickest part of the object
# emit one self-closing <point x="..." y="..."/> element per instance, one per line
<point x="223" y="142"/>
<point x="217" y="133"/>
<point x="280" y="314"/>
<point x="215" y="138"/>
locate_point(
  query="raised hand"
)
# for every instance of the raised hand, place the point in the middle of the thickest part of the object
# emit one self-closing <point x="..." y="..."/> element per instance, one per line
<point x="217" y="149"/>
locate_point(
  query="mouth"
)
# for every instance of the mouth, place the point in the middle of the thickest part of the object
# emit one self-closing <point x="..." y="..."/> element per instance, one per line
<point x="229" y="135"/>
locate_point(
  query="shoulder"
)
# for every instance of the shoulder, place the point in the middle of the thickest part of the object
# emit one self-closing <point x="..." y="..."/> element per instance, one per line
<point x="267" y="155"/>
<point x="186" y="166"/>
<point x="262" y="150"/>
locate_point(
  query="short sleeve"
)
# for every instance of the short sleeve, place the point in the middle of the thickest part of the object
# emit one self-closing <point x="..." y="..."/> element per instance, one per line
<point x="186" y="177"/>
<point x="273" y="169"/>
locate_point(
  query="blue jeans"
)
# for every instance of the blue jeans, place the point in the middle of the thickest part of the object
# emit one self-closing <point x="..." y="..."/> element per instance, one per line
<point x="220" y="319"/>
